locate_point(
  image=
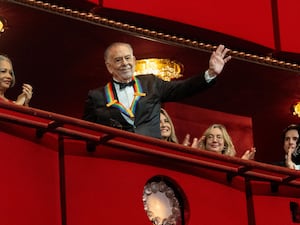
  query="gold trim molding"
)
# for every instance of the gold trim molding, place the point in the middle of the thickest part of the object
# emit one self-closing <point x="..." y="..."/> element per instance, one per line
<point x="138" y="31"/>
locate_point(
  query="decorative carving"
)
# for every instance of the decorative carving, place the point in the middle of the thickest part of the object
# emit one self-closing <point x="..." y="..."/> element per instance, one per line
<point x="161" y="204"/>
<point x="166" y="69"/>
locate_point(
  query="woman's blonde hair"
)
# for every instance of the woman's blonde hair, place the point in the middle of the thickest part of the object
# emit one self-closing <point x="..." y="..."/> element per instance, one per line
<point x="5" y="58"/>
<point x="228" y="144"/>
<point x="172" y="137"/>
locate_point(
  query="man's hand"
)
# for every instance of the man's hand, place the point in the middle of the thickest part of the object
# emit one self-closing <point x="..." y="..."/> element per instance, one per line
<point x="217" y="60"/>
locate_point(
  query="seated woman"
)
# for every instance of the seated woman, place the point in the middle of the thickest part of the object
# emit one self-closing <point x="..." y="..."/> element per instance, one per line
<point x="7" y="80"/>
<point x="167" y="129"/>
<point x="217" y="139"/>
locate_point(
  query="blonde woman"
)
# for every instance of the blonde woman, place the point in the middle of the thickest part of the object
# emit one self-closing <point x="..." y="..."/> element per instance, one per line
<point x="7" y="80"/>
<point x="216" y="138"/>
<point x="167" y="129"/>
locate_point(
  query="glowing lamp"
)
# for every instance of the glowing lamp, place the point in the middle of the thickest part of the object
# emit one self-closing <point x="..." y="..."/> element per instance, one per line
<point x="296" y="109"/>
<point x="3" y="24"/>
<point x="165" y="69"/>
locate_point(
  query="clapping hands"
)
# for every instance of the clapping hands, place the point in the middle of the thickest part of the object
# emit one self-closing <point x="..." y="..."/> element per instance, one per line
<point x="26" y="95"/>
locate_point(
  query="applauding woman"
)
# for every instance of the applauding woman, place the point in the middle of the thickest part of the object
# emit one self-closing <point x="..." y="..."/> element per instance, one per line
<point x="7" y="80"/>
<point x="216" y="139"/>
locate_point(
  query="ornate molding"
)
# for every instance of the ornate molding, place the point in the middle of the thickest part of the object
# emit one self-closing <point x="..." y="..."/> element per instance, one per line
<point x="162" y="37"/>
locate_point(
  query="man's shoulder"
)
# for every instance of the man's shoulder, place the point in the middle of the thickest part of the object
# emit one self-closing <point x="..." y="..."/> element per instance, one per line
<point x="147" y="78"/>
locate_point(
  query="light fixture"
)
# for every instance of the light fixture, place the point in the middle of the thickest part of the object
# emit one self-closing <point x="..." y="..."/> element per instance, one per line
<point x="3" y="24"/>
<point x="296" y="109"/>
<point x="166" y="69"/>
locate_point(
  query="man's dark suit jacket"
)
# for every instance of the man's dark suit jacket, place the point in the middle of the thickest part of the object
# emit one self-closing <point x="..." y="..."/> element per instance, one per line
<point x="147" y="114"/>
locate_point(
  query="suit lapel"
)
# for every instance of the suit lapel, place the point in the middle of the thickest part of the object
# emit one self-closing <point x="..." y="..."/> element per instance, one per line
<point x="112" y="99"/>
